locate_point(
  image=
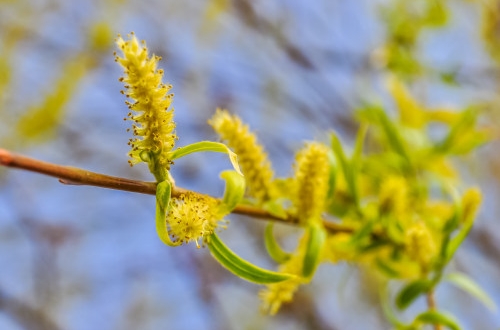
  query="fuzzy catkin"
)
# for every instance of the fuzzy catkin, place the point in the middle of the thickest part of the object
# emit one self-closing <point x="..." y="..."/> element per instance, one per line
<point x="153" y="127"/>
<point x="252" y="158"/>
<point x="192" y="217"/>
<point x="311" y="181"/>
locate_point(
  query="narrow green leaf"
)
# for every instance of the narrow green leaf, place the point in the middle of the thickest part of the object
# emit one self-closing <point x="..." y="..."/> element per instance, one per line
<point x="332" y="179"/>
<point x="465" y="283"/>
<point x="272" y="247"/>
<point x="234" y="191"/>
<point x="456" y="241"/>
<point x="349" y="173"/>
<point x="387" y="309"/>
<point x="395" y="140"/>
<point x="435" y="317"/>
<point x="206" y="146"/>
<point x="163" y="192"/>
<point x="240" y="267"/>
<point x="386" y="268"/>
<point x="317" y="237"/>
<point x="358" y="149"/>
<point x="450" y="226"/>
<point x="362" y="232"/>
<point x="275" y="207"/>
<point x="465" y="123"/>
<point x="411" y="292"/>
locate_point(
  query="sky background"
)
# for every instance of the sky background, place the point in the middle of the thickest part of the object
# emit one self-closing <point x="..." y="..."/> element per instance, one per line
<point x="293" y="70"/>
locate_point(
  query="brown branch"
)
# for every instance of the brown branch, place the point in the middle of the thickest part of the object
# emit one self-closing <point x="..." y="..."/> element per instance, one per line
<point x="29" y="317"/>
<point x="431" y="305"/>
<point x="78" y="176"/>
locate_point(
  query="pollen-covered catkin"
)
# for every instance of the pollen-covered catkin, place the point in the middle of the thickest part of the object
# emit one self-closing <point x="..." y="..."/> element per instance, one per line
<point x="471" y="201"/>
<point x="420" y="245"/>
<point x="393" y="196"/>
<point x="311" y="181"/>
<point x="153" y="127"/>
<point x="192" y="217"/>
<point x="252" y="158"/>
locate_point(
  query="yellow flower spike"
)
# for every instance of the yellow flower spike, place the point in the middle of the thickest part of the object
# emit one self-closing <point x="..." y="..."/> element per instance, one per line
<point x="393" y="196"/>
<point x="471" y="201"/>
<point x="277" y="294"/>
<point x="153" y="129"/>
<point x="252" y="158"/>
<point x="338" y="248"/>
<point x="420" y="245"/>
<point x="410" y="112"/>
<point x="311" y="181"/>
<point x="192" y="217"/>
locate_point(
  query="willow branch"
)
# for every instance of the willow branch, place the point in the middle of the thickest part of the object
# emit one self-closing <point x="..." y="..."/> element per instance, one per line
<point x="431" y="305"/>
<point x="77" y="176"/>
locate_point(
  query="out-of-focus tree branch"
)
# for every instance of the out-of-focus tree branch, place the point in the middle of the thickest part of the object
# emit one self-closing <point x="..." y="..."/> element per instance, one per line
<point x="26" y="315"/>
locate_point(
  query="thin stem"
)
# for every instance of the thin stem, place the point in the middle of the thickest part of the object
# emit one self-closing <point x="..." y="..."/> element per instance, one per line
<point x="77" y="176"/>
<point x="431" y="304"/>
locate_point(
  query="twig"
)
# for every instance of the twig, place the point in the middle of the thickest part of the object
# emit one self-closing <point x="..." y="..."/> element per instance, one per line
<point x="78" y="176"/>
<point x="431" y="304"/>
<point x="29" y="317"/>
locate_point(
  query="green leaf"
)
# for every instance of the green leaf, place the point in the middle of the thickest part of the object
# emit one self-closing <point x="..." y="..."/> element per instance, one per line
<point x="332" y="178"/>
<point x="465" y="283"/>
<point x="240" y="267"/>
<point x="456" y="241"/>
<point x="386" y="268"/>
<point x="275" y="207"/>
<point x="350" y="167"/>
<point x="349" y="173"/>
<point x="235" y="189"/>
<point x="272" y="247"/>
<point x="435" y="317"/>
<point x="394" y="139"/>
<point x="163" y="193"/>
<point x="411" y="292"/>
<point x="358" y="149"/>
<point x="462" y="126"/>
<point x="317" y="237"/>
<point x="206" y="146"/>
<point x="450" y="226"/>
<point x="387" y="309"/>
<point x="362" y="233"/>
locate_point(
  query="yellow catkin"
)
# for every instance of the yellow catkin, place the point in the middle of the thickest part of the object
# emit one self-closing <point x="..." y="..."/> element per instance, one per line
<point x="338" y="248"/>
<point x="252" y="158"/>
<point x="153" y="127"/>
<point x="420" y="245"/>
<point x="192" y="217"/>
<point x="393" y="196"/>
<point x="277" y="294"/>
<point x="311" y="181"/>
<point x="410" y="112"/>
<point x="471" y="201"/>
